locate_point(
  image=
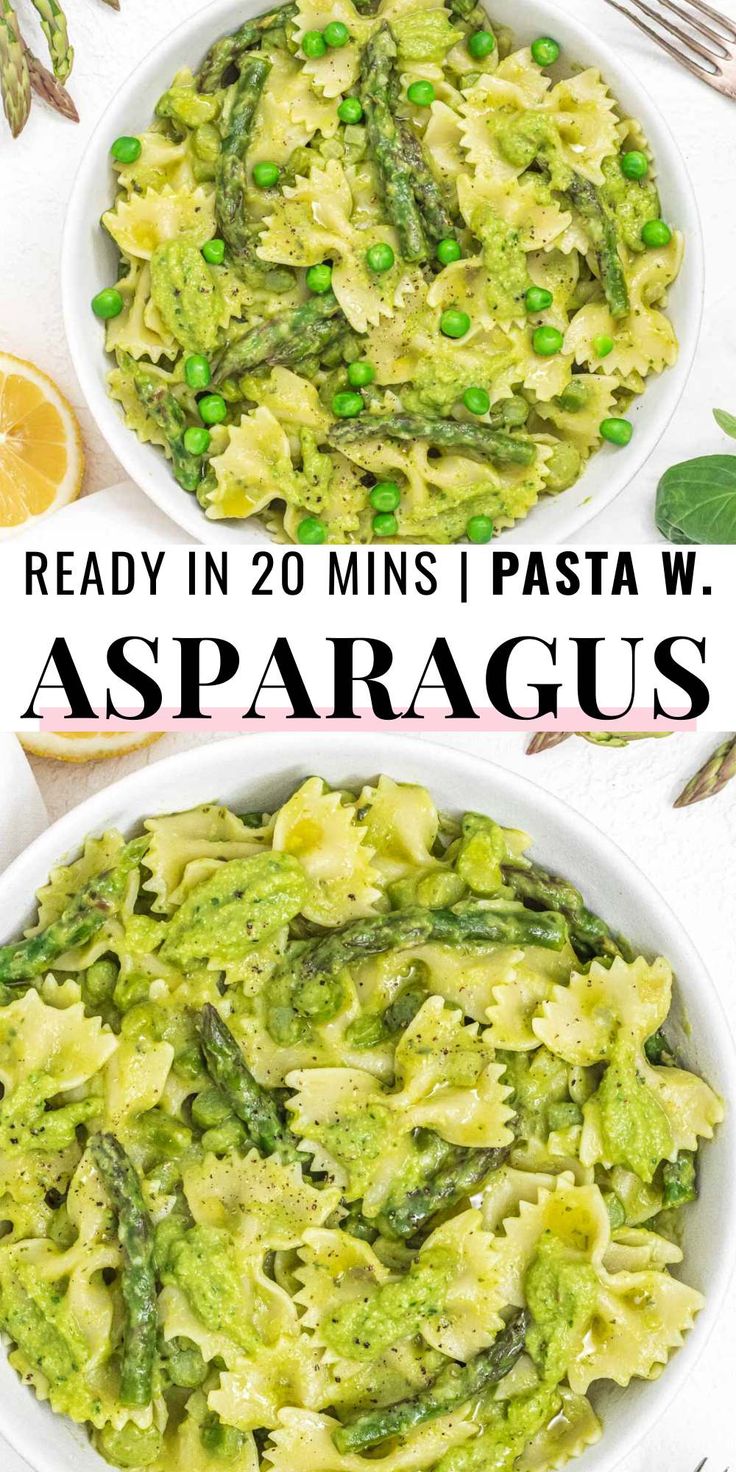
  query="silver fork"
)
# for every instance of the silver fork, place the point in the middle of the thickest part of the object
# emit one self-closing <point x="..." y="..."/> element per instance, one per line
<point x="716" y="48"/>
<point x="700" y="1465"/>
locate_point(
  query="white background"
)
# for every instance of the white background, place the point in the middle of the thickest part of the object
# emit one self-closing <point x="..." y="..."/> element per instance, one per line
<point x="36" y="174"/>
<point x="689" y="855"/>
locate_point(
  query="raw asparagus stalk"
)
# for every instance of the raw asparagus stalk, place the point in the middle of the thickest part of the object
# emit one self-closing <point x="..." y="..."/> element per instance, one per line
<point x="384" y="143"/>
<point x="454" y="1385"/>
<point x="284" y="338"/>
<point x="46" y="86"/>
<point x="114" y="4"/>
<point x="54" y="27"/>
<point x="232" y="177"/>
<point x="437" y="221"/>
<point x="137" y="1279"/>
<point x="712" y="777"/>
<point x="85" y="914"/>
<point x="463" y="1172"/>
<point x="254" y="1105"/>
<point x="588" y="933"/>
<point x="545" y="740"/>
<point x="444" y="434"/>
<point x="602" y="231"/>
<point x="326" y="957"/>
<point x="15" y="80"/>
<point x="168" y="414"/>
<point x="230" y="50"/>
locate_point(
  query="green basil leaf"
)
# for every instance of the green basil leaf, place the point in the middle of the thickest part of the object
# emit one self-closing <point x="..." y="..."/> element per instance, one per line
<point x="696" y="501"/>
<point x="725" y="421"/>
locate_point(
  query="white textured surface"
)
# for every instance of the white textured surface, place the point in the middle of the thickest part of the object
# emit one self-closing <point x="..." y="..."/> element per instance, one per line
<point x="689" y="855"/>
<point x="37" y="172"/>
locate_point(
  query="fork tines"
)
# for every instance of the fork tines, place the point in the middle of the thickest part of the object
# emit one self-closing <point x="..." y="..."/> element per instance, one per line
<point x="709" y="42"/>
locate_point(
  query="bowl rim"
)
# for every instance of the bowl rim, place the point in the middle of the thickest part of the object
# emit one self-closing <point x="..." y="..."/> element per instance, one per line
<point x="175" y="504"/>
<point x="363" y="754"/>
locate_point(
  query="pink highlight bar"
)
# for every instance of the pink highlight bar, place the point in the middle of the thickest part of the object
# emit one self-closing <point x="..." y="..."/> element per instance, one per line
<point x="431" y="718"/>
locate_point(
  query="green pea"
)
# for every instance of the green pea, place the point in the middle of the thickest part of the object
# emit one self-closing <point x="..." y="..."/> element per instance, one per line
<point x="602" y="346"/>
<point x="547" y="341"/>
<point x="313" y="44"/>
<point x="634" y="165"/>
<point x="385" y="496"/>
<point x="360" y="374"/>
<point x="214" y="252"/>
<point x="477" y="400"/>
<point x="197" y="371"/>
<point x="656" y="233"/>
<point x="224" y="1138"/>
<point x="350" y="110"/>
<point x="221" y="1440"/>
<point x="185" y="1364"/>
<point x="346" y="405"/>
<point x="210" y="1109"/>
<point x="380" y="257"/>
<point x="538" y="299"/>
<point x="212" y="409"/>
<point x="422" y="94"/>
<point x="479" y="529"/>
<point x="108" y="303"/>
<point x="196" y="439"/>
<point x="545" y="51"/>
<point x="265" y="175"/>
<point x="319" y="279"/>
<point x="563" y="1115"/>
<point x="448" y="251"/>
<point x="311" y="532"/>
<point x="385" y="524"/>
<point x="481" y="44"/>
<point x="130" y="1446"/>
<point x="126" y="150"/>
<point x="336" y="34"/>
<point x="454" y="323"/>
<point x="617" y="431"/>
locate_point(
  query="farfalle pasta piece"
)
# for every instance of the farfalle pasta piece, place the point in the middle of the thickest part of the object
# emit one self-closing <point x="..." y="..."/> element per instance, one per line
<point x="252" y="1395"/>
<point x="645" y="340"/>
<point x="140" y="224"/>
<point x="593" y="399"/>
<point x="584" y="115"/>
<point x="517" y="996"/>
<point x="401" y="824"/>
<point x="303" y="1442"/>
<point x="640" y="1319"/>
<point x="337" y="69"/>
<point x="255" y="467"/>
<point x="61" y="1041"/>
<point x="263" y="1203"/>
<point x="205" y="836"/>
<point x="321" y="831"/>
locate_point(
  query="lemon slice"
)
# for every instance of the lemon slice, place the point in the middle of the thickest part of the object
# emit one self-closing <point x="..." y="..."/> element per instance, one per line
<point x="84" y="746"/>
<point x="41" y="460"/>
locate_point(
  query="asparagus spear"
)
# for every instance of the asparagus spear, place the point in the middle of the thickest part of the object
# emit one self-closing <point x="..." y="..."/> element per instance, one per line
<point x="85" y="914"/>
<point x="284" y="338"/>
<point x="679" y="1180"/>
<point x="444" y="434"/>
<point x="462" y="9"/>
<point x="168" y="414"/>
<point x="46" y="86"/>
<point x="137" y="1279"/>
<point x="545" y="740"/>
<point x="463" y="1171"/>
<point x="454" y="1385"/>
<point x="384" y="143"/>
<point x="15" y="80"/>
<point x="326" y="957"/>
<point x="232" y="178"/>
<point x="589" y="935"/>
<point x="230" y="50"/>
<point x="712" y="777"/>
<point x="254" y="1105"/>
<point x="602" y="231"/>
<point x="54" y="27"/>
<point x="437" y="221"/>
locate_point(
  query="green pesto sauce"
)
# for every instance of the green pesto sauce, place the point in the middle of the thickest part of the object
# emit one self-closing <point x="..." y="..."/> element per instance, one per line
<point x="241" y="904"/>
<point x="202" y="1263"/>
<point x="365" y="1328"/>
<point x="508" y="1427"/>
<point x="635" y="1128"/>
<point x="631" y="201"/>
<point x="507" y="278"/>
<point x="524" y="137"/>
<point x="187" y="295"/>
<point x="561" y="1295"/>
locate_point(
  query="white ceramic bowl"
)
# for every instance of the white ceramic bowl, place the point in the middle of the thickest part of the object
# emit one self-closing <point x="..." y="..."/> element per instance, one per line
<point x="261" y="772"/>
<point x="89" y="263"/>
